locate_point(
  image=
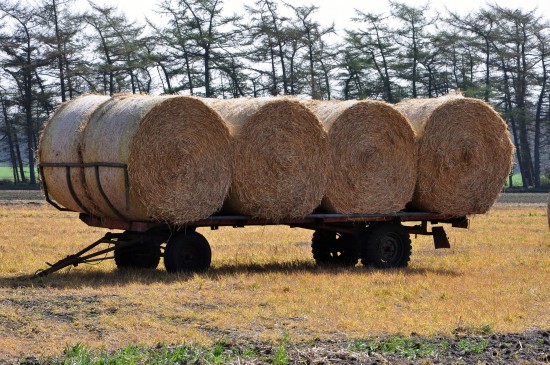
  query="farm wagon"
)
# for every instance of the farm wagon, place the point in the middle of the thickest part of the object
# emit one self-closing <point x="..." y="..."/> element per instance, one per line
<point x="380" y="240"/>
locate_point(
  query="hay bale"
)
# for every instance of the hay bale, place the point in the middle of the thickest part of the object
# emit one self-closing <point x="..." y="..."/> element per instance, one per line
<point x="373" y="154"/>
<point x="60" y="143"/>
<point x="280" y="160"/>
<point x="548" y="211"/>
<point x="178" y="153"/>
<point x="465" y="154"/>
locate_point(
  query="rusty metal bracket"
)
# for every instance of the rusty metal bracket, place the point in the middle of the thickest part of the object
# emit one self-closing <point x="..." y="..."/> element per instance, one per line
<point x="45" y="188"/>
<point x="339" y="228"/>
<point x="96" y="166"/>
<point x="440" y="238"/>
<point x="461" y="222"/>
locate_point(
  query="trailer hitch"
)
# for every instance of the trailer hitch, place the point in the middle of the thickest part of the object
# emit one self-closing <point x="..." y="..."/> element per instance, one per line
<point x="84" y="256"/>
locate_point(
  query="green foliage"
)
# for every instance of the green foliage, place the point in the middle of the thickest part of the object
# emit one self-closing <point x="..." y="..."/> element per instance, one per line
<point x="129" y="355"/>
<point x="280" y="356"/>
<point x="411" y="348"/>
<point x="6" y="173"/>
<point x="472" y="346"/>
<point x="487" y="329"/>
<point x="219" y="353"/>
<point x="77" y="355"/>
<point x="518" y="183"/>
<point x="175" y="355"/>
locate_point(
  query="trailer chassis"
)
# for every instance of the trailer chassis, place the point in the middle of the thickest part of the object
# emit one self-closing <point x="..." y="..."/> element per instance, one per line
<point x="380" y="240"/>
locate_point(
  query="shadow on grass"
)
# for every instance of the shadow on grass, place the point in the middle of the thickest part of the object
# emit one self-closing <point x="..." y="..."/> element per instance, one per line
<point x="76" y="278"/>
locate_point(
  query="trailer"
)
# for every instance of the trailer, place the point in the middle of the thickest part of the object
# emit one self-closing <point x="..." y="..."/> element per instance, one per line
<point x="379" y="240"/>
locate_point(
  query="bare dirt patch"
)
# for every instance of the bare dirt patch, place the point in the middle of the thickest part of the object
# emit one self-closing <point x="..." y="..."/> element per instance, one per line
<point x="518" y="199"/>
<point x="530" y="347"/>
<point x="22" y="197"/>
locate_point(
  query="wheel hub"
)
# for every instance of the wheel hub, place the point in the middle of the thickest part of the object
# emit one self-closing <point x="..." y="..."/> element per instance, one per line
<point x="389" y="248"/>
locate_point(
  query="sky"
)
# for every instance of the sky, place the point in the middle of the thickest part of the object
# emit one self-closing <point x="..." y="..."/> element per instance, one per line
<point x="341" y="11"/>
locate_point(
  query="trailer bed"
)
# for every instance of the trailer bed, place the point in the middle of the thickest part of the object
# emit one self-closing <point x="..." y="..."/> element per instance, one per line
<point x="236" y="221"/>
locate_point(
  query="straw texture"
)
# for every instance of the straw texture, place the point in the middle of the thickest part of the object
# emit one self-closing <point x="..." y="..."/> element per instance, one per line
<point x="281" y="160"/>
<point x="178" y="154"/>
<point x="180" y="160"/>
<point x="465" y="154"/>
<point x="373" y="154"/>
<point x="60" y="143"/>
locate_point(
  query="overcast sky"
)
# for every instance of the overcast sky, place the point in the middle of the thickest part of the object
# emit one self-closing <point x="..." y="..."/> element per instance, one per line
<point x="341" y="11"/>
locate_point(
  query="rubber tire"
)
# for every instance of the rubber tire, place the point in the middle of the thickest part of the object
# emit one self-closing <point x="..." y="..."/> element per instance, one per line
<point x="143" y="255"/>
<point x="187" y="252"/>
<point x="386" y="245"/>
<point x="330" y="248"/>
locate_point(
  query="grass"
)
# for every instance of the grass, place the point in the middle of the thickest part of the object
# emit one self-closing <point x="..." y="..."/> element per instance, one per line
<point x="518" y="183"/>
<point x="6" y="173"/>
<point x="6" y="180"/>
<point x="263" y="286"/>
<point x="472" y="346"/>
<point x="403" y="346"/>
<point x="80" y="354"/>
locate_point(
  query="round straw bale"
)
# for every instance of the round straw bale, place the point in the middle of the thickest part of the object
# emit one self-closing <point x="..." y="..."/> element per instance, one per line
<point x="280" y="160"/>
<point x="60" y="143"/>
<point x="178" y="153"/>
<point x="465" y="154"/>
<point x="373" y="154"/>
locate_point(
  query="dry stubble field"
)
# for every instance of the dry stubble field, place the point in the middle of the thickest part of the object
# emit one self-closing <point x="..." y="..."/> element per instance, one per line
<point x="263" y="286"/>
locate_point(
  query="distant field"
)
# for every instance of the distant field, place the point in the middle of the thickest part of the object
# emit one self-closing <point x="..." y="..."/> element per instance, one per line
<point x="264" y="286"/>
<point x="522" y="198"/>
<point x="23" y="195"/>
<point x="516" y="180"/>
<point x="505" y="199"/>
<point x="6" y="173"/>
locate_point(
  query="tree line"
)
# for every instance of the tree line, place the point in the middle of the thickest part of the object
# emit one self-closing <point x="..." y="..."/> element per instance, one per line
<point x="51" y="53"/>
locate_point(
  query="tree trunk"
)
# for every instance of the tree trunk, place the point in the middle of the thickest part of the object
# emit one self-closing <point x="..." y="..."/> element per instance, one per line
<point x="9" y="135"/>
<point x="111" y="83"/>
<point x="30" y="140"/>
<point x="167" y="78"/>
<point x="131" y="73"/>
<point x="19" y="158"/>
<point x="527" y="161"/>
<point x="188" y="70"/>
<point x="283" y="67"/>
<point x="68" y="75"/>
<point x="386" y="78"/>
<point x="508" y="109"/>
<point x="208" y="91"/>
<point x="487" y="69"/>
<point x="314" y="94"/>
<point x="280" y="48"/>
<point x="538" y="121"/>
<point x="27" y="103"/>
<point x="274" y="85"/>
<point x="326" y="78"/>
<point x="415" y="61"/>
<point x="59" y="52"/>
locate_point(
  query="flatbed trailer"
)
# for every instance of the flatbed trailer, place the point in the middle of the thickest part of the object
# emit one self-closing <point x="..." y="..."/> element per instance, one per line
<point x="379" y="240"/>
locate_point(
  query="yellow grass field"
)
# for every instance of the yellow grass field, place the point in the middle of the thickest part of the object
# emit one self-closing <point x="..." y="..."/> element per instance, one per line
<point x="263" y="285"/>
